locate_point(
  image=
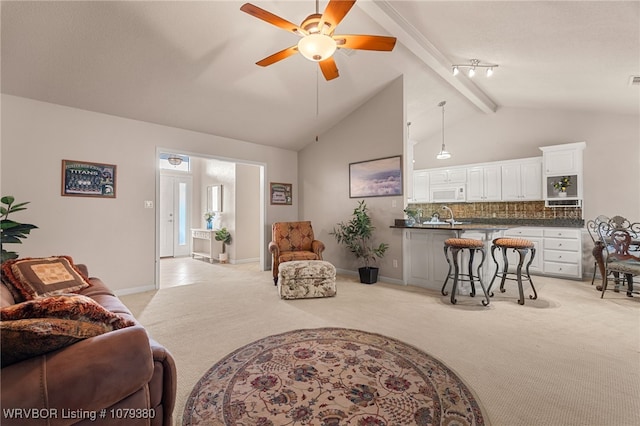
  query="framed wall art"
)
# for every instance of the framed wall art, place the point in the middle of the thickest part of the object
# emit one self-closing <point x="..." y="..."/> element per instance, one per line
<point x="381" y="177"/>
<point x="85" y="179"/>
<point x="281" y="193"/>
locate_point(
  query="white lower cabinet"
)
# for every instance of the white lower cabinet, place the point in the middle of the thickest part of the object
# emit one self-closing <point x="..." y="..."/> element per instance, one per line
<point x="558" y="250"/>
<point x="425" y="264"/>
<point x="563" y="252"/>
<point x="535" y="235"/>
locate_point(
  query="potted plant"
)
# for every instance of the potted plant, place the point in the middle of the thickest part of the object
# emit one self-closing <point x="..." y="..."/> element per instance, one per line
<point x="224" y="236"/>
<point x="356" y="235"/>
<point x="562" y="185"/>
<point x="12" y="232"/>
<point x="209" y="217"/>
<point x="413" y="214"/>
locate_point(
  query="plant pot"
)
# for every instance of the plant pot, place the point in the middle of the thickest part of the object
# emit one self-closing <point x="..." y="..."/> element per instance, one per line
<point x="368" y="274"/>
<point x="562" y="194"/>
<point x="223" y="257"/>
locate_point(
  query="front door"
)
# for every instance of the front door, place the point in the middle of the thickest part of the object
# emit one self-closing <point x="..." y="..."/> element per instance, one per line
<point x="175" y="207"/>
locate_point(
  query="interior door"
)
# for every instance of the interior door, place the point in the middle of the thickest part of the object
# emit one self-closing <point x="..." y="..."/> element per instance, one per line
<point x="175" y="207"/>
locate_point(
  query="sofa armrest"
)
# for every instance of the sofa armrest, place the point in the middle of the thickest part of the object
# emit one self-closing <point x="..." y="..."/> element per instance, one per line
<point x="163" y="385"/>
<point x="273" y="248"/>
<point x="92" y="374"/>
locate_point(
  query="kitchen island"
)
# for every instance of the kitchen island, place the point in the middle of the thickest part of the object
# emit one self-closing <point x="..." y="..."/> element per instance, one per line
<point x="558" y="249"/>
<point x="424" y="262"/>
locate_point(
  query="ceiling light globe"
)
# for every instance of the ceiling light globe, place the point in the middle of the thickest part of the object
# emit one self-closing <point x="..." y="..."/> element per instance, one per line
<point x="489" y="72"/>
<point x="456" y="71"/>
<point x="317" y="47"/>
<point x="472" y="72"/>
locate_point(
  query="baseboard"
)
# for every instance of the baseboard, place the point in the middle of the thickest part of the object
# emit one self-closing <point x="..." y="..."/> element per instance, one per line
<point x="134" y="290"/>
<point x="380" y="277"/>
<point x="239" y="261"/>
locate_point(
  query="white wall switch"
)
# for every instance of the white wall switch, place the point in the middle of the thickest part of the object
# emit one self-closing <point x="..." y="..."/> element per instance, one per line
<point x="148" y="204"/>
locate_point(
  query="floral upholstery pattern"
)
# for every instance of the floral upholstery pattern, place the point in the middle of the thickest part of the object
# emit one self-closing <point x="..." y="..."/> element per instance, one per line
<point x="293" y="241"/>
<point x="306" y="279"/>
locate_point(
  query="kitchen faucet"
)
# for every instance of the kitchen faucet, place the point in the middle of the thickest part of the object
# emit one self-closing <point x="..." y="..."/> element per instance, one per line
<point x="452" y="220"/>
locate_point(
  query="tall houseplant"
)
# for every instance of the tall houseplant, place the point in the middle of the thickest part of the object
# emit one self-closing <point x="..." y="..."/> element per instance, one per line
<point x="12" y="232"/>
<point x="224" y="236"/>
<point x="356" y="235"/>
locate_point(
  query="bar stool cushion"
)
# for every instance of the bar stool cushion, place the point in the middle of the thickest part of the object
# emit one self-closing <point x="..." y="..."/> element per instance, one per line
<point x="463" y="242"/>
<point x="513" y="243"/>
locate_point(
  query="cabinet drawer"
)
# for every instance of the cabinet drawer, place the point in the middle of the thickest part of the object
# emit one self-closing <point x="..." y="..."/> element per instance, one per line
<point x="560" y="244"/>
<point x="566" y="269"/>
<point x="561" y="256"/>
<point x="562" y="233"/>
<point x="523" y="232"/>
<point x="203" y="235"/>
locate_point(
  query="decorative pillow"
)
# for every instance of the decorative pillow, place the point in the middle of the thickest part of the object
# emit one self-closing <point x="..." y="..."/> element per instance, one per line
<point x="46" y="324"/>
<point x="40" y="277"/>
<point x="26" y="338"/>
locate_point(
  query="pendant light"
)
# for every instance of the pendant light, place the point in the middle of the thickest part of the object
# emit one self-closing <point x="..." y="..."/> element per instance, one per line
<point x="443" y="154"/>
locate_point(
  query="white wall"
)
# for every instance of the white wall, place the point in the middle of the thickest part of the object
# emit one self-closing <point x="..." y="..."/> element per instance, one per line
<point x="375" y="130"/>
<point x="114" y="237"/>
<point x="611" y="159"/>
<point x="247" y="213"/>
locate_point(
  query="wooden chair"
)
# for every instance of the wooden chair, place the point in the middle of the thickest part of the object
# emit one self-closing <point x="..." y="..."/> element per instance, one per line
<point x="293" y="241"/>
<point x="598" y="262"/>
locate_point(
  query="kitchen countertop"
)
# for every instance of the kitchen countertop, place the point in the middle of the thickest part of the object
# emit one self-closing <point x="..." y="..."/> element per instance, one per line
<point x="501" y="224"/>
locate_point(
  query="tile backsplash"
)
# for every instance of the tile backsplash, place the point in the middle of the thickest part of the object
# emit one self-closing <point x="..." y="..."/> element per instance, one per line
<point x="500" y="210"/>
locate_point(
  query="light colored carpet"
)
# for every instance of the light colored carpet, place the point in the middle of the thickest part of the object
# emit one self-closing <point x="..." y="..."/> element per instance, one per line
<point x="568" y="358"/>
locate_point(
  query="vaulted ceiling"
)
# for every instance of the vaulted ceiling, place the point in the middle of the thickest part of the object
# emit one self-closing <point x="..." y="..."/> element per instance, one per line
<point x="191" y="64"/>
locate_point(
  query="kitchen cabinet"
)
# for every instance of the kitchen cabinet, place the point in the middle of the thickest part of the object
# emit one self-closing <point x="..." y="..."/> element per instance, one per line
<point x="424" y="261"/>
<point x="536" y="236"/>
<point x="448" y="176"/>
<point x="484" y="183"/>
<point x="522" y="180"/>
<point x="421" y="186"/>
<point x="563" y="252"/>
<point x="558" y="250"/>
<point x="563" y="162"/>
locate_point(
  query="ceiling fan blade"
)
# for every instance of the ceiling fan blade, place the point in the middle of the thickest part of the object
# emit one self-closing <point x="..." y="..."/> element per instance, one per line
<point x="283" y="54"/>
<point x="272" y="19"/>
<point x="335" y="11"/>
<point x="366" y="42"/>
<point x="329" y="68"/>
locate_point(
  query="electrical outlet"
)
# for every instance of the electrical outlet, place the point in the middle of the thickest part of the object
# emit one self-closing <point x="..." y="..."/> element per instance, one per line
<point x="395" y="263"/>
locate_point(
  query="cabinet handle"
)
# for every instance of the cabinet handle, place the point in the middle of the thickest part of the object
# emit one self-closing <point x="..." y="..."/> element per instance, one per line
<point x="560" y="245"/>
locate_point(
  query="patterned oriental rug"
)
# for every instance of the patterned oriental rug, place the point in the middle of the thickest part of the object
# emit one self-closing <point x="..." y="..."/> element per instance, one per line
<point x="330" y="377"/>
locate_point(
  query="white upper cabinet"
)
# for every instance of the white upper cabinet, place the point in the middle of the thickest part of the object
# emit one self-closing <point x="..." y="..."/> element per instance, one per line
<point x="421" y="186"/>
<point x="483" y="183"/>
<point x="563" y="159"/>
<point x="522" y="180"/>
<point x="448" y="176"/>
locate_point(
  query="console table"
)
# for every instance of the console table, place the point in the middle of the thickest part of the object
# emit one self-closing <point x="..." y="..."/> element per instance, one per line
<point x="204" y="244"/>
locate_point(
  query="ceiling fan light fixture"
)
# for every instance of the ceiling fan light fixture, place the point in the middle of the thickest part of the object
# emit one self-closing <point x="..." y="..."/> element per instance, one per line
<point x="317" y="47"/>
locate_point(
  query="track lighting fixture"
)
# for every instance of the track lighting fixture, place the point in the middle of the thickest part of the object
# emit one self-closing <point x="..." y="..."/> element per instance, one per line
<point x="474" y="63"/>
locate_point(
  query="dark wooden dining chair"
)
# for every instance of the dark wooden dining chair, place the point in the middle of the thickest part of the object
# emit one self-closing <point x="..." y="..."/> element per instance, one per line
<point x="621" y="252"/>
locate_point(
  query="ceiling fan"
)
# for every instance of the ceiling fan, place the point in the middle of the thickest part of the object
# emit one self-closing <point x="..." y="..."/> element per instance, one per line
<point x="318" y="42"/>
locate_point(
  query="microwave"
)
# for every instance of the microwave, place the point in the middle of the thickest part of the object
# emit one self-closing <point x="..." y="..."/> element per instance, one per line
<point x="448" y="193"/>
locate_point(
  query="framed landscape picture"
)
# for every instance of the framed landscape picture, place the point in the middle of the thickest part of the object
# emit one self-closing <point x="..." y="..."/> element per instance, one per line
<point x="281" y="193"/>
<point x="85" y="179"/>
<point x="381" y="177"/>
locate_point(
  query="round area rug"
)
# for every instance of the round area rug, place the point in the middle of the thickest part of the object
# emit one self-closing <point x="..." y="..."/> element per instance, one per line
<point x="330" y="376"/>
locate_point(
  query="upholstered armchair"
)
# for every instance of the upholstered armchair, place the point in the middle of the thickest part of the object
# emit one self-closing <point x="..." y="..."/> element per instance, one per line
<point x="293" y="241"/>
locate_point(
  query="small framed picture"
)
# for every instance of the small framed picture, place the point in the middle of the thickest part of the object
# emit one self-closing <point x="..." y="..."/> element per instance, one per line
<point x="381" y="177"/>
<point x="85" y="179"/>
<point x="281" y="193"/>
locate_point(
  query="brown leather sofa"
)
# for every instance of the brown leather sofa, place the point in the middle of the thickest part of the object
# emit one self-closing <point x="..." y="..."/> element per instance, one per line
<point x="122" y="377"/>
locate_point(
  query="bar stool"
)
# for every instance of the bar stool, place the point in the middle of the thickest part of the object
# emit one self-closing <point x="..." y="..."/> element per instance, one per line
<point x="523" y="247"/>
<point x="452" y="248"/>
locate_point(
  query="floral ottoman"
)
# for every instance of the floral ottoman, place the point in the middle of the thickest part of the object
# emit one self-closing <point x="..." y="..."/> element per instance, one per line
<point x="302" y="279"/>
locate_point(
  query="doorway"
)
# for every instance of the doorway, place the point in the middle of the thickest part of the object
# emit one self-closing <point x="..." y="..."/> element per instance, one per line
<point x="175" y="211"/>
